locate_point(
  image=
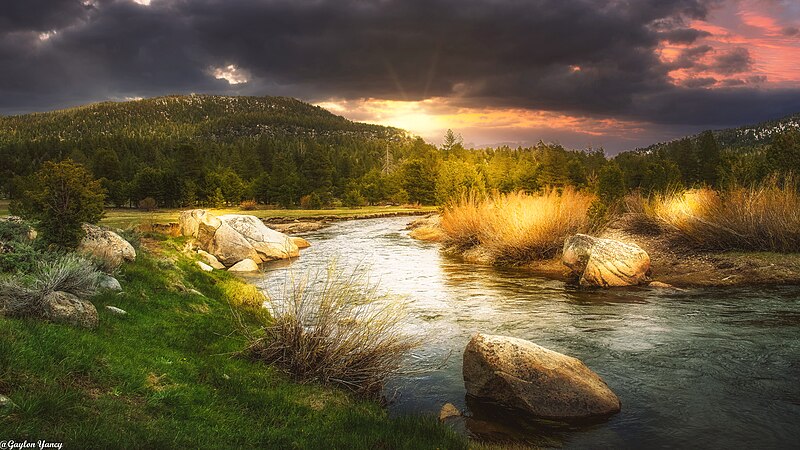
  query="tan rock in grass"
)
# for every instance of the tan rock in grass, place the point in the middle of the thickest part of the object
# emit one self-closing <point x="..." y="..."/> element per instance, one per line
<point x="520" y="374"/>
<point x="448" y="411"/>
<point x="106" y="246"/>
<point x="63" y="307"/>
<point x="210" y="259"/>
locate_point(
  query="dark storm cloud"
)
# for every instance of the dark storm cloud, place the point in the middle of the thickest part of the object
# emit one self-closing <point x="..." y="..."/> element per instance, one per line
<point x="790" y="31"/>
<point x="683" y="35"/>
<point x="588" y="57"/>
<point x="41" y="15"/>
<point x="734" y="61"/>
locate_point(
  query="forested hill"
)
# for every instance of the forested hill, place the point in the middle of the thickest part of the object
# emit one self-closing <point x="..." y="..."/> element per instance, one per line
<point x="744" y="137"/>
<point x="202" y="149"/>
<point x="185" y="118"/>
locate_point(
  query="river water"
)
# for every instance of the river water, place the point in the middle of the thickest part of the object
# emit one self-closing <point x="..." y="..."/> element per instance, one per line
<point x="702" y="368"/>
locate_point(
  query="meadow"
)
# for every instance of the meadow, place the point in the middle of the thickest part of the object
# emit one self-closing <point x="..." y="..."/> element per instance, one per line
<point x="170" y="374"/>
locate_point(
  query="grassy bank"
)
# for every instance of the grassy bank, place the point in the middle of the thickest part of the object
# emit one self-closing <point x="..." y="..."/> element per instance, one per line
<point x="128" y="218"/>
<point x="166" y="376"/>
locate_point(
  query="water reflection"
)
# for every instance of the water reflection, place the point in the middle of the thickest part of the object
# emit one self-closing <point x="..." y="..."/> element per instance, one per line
<point x="695" y="368"/>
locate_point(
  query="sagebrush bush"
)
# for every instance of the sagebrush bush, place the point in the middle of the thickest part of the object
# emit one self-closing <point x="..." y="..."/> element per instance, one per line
<point x="335" y="329"/>
<point x="759" y="218"/>
<point x="23" y="295"/>
<point x="18" y="252"/>
<point x="517" y="227"/>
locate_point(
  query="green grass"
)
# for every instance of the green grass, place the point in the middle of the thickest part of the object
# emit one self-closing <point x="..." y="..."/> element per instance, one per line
<point x="166" y="376"/>
<point x="128" y="218"/>
<point x="4" y="207"/>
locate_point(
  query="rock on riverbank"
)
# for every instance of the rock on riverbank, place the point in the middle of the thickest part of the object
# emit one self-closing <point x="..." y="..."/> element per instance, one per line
<point x="232" y="238"/>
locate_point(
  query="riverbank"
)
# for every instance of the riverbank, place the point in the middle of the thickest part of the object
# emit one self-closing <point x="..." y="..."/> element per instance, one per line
<point x="673" y="261"/>
<point x="679" y="264"/>
<point x="166" y="375"/>
<point x="125" y="218"/>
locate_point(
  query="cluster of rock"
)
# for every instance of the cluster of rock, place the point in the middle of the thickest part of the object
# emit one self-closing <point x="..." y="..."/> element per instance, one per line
<point x="109" y="250"/>
<point x="605" y="262"/>
<point x="235" y="241"/>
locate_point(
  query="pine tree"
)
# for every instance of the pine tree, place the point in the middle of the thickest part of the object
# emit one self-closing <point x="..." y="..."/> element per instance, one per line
<point x="709" y="158"/>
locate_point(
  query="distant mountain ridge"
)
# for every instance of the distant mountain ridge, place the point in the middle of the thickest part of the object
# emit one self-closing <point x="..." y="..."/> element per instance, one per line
<point x="745" y="136"/>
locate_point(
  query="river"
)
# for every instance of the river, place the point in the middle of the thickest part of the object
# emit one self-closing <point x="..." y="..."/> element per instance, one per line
<point x="707" y="368"/>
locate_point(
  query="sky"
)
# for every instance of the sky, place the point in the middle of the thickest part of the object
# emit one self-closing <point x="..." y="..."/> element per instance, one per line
<point x="616" y="74"/>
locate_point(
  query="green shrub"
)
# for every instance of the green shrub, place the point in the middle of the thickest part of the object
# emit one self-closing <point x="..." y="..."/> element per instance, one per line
<point x="60" y="197"/>
<point x="17" y="252"/>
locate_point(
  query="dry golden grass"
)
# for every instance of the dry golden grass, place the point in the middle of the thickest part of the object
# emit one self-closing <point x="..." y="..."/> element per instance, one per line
<point x="760" y="218"/>
<point x="517" y="227"/>
<point x="428" y="233"/>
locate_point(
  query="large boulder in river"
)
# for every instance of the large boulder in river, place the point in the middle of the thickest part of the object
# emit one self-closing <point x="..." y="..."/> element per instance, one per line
<point x="106" y="246"/>
<point x="520" y="374"/>
<point x="66" y="308"/>
<point x="605" y="262"/>
<point x="234" y="237"/>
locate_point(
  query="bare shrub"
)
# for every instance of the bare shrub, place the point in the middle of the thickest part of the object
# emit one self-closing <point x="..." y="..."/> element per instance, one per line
<point x="248" y="205"/>
<point x="24" y="295"/>
<point x="335" y="329"/>
<point x="148" y="204"/>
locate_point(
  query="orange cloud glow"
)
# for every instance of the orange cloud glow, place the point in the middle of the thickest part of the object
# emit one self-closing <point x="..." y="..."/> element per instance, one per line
<point x="431" y="118"/>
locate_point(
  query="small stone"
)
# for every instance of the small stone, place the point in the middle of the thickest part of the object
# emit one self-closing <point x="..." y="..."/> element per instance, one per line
<point x="210" y="259"/>
<point x="6" y="405"/>
<point x="195" y="292"/>
<point x="204" y="267"/>
<point x="659" y="284"/>
<point x="109" y="283"/>
<point x="245" y="265"/>
<point x="448" y="410"/>
<point x="300" y="242"/>
<point x="116" y="311"/>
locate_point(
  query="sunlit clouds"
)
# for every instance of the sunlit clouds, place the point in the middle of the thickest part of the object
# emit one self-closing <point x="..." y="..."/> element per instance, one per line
<point x="230" y="73"/>
<point x="749" y="42"/>
<point x="483" y="126"/>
